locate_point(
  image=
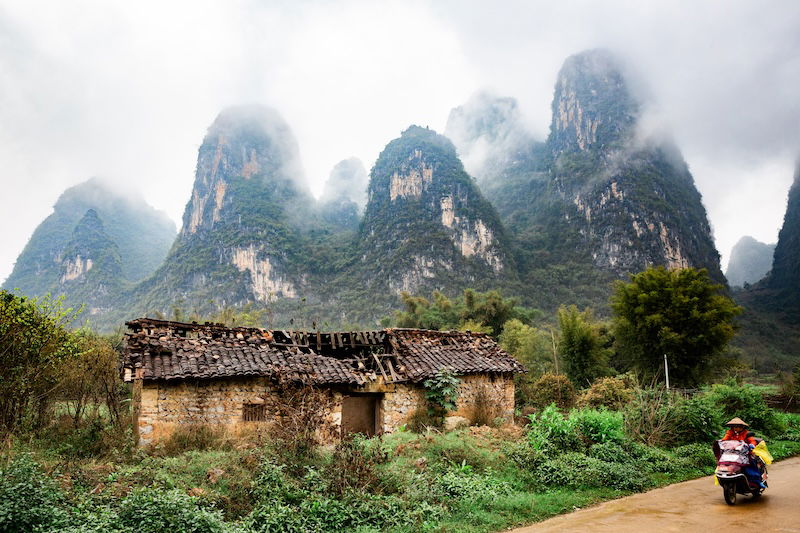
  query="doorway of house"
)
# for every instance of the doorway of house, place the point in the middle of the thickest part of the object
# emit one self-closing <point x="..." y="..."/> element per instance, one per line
<point x="360" y="414"/>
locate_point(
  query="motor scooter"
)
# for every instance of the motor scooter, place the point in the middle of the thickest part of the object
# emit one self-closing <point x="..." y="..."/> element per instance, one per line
<point x="733" y="457"/>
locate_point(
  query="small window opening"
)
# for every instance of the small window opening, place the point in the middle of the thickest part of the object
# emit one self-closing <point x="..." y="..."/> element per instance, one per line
<point x="254" y="412"/>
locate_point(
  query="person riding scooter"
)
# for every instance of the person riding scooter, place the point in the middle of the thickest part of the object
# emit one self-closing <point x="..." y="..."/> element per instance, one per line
<point x="737" y="430"/>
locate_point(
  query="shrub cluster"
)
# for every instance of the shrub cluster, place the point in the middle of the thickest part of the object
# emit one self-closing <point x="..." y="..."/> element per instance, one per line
<point x="552" y="388"/>
<point x="612" y="393"/>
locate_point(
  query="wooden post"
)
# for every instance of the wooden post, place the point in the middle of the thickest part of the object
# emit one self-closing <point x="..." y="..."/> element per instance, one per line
<point x="136" y="402"/>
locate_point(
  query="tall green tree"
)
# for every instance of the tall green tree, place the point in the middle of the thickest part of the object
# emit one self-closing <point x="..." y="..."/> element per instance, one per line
<point x="580" y="347"/>
<point x="680" y="313"/>
<point x="34" y="343"/>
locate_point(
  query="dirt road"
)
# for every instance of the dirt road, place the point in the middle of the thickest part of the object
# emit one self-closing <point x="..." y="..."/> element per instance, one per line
<point x="692" y="506"/>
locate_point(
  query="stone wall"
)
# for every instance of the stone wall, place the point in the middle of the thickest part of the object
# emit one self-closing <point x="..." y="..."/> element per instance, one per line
<point x="497" y="394"/>
<point x="166" y="406"/>
<point x="400" y="403"/>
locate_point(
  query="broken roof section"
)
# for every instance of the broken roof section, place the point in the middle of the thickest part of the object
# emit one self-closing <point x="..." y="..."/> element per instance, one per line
<point x="167" y="350"/>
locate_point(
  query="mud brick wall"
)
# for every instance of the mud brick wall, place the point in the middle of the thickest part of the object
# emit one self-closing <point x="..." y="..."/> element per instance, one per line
<point x="165" y="406"/>
<point x="497" y="389"/>
<point x="400" y="403"/>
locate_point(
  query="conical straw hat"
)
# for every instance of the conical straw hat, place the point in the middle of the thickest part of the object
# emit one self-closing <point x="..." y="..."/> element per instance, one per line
<point x="737" y="422"/>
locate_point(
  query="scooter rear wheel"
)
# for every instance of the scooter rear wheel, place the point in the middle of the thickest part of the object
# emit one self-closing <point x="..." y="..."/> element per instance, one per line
<point x="729" y="491"/>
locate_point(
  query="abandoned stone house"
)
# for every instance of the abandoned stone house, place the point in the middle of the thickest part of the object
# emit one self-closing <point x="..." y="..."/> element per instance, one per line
<point x="211" y="374"/>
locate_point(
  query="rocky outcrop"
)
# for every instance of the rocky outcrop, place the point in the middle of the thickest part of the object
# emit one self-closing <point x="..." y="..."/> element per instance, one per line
<point x="593" y="105"/>
<point x="243" y="142"/>
<point x="426" y="223"/>
<point x="635" y="200"/>
<point x="265" y="282"/>
<point x="242" y="236"/>
<point x="90" y="266"/>
<point x="599" y="199"/>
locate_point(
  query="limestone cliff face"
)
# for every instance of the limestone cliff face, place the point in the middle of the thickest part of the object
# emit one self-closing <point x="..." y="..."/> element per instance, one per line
<point x="242" y="227"/>
<point x="633" y="201"/>
<point x="642" y="210"/>
<point x="90" y="267"/>
<point x="426" y="223"/>
<point x="592" y="105"/>
<point x="598" y="200"/>
<point x="245" y="142"/>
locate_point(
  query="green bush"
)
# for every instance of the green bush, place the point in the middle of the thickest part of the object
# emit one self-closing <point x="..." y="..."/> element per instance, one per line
<point x="29" y="500"/>
<point x="578" y="470"/>
<point x="550" y="430"/>
<point x="697" y="419"/>
<point x="697" y="455"/>
<point x="649" y="418"/>
<point x="792" y="423"/>
<point x="610" y="452"/>
<point x="613" y="393"/>
<point x="552" y="388"/>
<point x="152" y="510"/>
<point x="523" y="455"/>
<point x="273" y="515"/>
<point x="441" y="393"/>
<point x="746" y="402"/>
<point x="597" y="426"/>
<point x="464" y="484"/>
<point x="650" y="458"/>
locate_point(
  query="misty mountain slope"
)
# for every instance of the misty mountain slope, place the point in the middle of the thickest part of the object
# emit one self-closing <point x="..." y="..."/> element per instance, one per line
<point x="243" y="233"/>
<point x="770" y="325"/>
<point x="142" y="235"/>
<point x="750" y="261"/>
<point x="785" y="275"/>
<point x="596" y="201"/>
<point x="426" y="224"/>
<point x="489" y="135"/>
<point x="344" y="195"/>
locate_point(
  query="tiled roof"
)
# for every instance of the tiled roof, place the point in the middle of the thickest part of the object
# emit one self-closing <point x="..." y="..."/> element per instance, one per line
<point x="421" y="353"/>
<point x="175" y="351"/>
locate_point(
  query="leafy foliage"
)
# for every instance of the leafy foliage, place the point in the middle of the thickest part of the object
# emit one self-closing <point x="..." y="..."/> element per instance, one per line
<point x="157" y="511"/>
<point x="580" y="346"/>
<point x="551" y="431"/>
<point x="680" y="313"/>
<point x="34" y="343"/>
<point x="613" y="393"/>
<point x="29" y="500"/>
<point x="441" y="392"/>
<point x="487" y="312"/>
<point x="552" y="388"/>
<point x="747" y="403"/>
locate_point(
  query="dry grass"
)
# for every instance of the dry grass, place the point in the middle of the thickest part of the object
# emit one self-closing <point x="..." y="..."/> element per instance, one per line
<point x="487" y="408"/>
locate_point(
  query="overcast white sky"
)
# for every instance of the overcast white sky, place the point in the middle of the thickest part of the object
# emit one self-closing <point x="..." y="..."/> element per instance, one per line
<point x="126" y="90"/>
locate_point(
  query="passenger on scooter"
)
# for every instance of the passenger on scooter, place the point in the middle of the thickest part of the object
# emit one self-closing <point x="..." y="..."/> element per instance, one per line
<point x="737" y="430"/>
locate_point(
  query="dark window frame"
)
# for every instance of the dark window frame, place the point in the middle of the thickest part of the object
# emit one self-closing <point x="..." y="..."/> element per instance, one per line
<point x="254" y="412"/>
